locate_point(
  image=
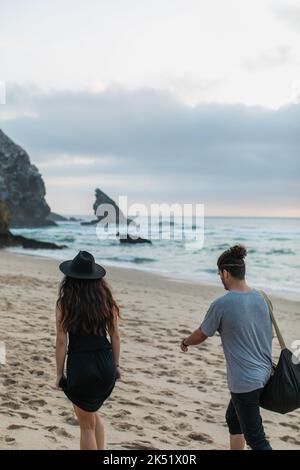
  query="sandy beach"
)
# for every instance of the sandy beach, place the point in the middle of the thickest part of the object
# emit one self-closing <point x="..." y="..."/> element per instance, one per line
<point x="165" y="400"/>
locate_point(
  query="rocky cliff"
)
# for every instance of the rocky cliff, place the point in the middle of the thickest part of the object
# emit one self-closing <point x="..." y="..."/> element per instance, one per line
<point x="4" y="218"/>
<point x="21" y="187"/>
<point x="7" y="239"/>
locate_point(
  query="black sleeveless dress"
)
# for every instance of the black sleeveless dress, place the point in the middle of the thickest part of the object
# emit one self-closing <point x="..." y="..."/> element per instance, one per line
<point x="91" y="371"/>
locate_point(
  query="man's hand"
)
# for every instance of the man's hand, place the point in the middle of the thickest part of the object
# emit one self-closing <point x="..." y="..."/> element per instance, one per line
<point x="195" y="338"/>
<point x="183" y="346"/>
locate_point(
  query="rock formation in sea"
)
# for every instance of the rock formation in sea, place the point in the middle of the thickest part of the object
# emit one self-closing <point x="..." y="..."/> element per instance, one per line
<point x="134" y="240"/>
<point x="10" y="240"/>
<point x="116" y="215"/>
<point x="22" y="187"/>
<point x="102" y="198"/>
<point x="113" y="215"/>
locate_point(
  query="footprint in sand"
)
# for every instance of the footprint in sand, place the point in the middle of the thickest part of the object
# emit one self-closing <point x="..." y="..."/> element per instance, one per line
<point x="164" y="441"/>
<point x="152" y="419"/>
<point x="139" y="445"/>
<point x="184" y="332"/>
<point x="147" y="372"/>
<point x="122" y="401"/>
<point x="12" y="427"/>
<point x="8" y="382"/>
<point x="133" y="383"/>
<point x="161" y="346"/>
<point x="177" y="414"/>
<point x="36" y="358"/>
<point x="11" y="404"/>
<point x="24" y="398"/>
<point x="145" y="400"/>
<point x="39" y="373"/>
<point x="62" y="432"/>
<point x="290" y="439"/>
<point x="182" y="444"/>
<point x="200" y="437"/>
<point x="128" y="426"/>
<point x="185" y="427"/>
<point x="59" y="431"/>
<point x="6" y="413"/>
<point x="220" y="372"/>
<point x="168" y="393"/>
<point x="52" y="438"/>
<point x="51" y="428"/>
<point x="25" y="415"/>
<point x="121" y="414"/>
<point x="72" y="421"/>
<point x="46" y="359"/>
<point x="164" y="428"/>
<point x="37" y="402"/>
<point x="291" y="426"/>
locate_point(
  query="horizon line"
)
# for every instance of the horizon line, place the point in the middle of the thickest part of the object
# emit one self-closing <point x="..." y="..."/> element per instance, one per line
<point x="205" y="216"/>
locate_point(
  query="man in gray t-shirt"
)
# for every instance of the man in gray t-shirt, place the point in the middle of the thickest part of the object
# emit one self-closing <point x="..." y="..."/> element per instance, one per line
<point x="242" y="318"/>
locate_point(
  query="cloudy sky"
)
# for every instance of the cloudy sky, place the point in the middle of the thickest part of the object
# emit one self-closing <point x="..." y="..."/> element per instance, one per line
<point x="161" y="100"/>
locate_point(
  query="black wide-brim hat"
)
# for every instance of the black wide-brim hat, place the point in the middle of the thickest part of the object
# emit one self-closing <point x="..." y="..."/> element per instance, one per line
<point x="83" y="266"/>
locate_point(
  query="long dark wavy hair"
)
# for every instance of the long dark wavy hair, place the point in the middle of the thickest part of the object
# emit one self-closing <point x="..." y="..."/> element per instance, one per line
<point x="87" y="306"/>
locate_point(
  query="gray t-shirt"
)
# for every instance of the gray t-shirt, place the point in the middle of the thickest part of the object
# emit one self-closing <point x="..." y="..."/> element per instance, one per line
<point x="245" y="327"/>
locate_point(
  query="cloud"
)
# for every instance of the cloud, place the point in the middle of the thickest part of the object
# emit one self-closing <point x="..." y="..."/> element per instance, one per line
<point x="160" y="147"/>
<point x="190" y="89"/>
<point x="290" y="14"/>
<point x="279" y="56"/>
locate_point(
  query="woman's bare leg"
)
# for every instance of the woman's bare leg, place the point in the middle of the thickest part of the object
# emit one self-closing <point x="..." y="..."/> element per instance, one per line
<point x="87" y="422"/>
<point x="99" y="432"/>
<point x="237" y="442"/>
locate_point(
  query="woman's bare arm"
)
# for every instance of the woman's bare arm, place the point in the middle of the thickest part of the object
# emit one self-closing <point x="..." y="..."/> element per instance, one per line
<point x="115" y="339"/>
<point x="61" y="346"/>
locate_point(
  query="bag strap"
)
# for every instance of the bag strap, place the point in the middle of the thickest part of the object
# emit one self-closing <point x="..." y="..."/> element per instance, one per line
<point x="278" y="333"/>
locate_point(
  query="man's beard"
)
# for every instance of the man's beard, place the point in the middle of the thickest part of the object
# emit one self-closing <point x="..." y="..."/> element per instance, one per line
<point x="225" y="287"/>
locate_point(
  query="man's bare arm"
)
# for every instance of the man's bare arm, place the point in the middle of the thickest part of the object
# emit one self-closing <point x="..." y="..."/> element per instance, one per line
<point x="197" y="337"/>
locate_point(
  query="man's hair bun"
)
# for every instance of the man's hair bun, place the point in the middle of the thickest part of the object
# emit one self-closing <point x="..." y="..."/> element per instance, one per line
<point x="238" y="252"/>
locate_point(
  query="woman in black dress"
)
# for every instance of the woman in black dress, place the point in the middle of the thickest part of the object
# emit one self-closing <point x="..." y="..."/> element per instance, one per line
<point x="86" y="315"/>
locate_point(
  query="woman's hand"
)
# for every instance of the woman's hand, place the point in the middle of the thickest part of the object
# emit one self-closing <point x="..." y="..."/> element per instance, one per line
<point x="58" y="379"/>
<point x="118" y="373"/>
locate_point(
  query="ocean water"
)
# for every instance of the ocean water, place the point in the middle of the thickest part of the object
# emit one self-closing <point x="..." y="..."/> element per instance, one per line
<point x="273" y="260"/>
